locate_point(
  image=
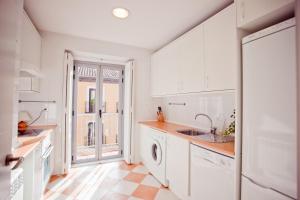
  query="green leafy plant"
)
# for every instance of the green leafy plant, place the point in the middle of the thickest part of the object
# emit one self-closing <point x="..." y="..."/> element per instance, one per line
<point x="231" y="128"/>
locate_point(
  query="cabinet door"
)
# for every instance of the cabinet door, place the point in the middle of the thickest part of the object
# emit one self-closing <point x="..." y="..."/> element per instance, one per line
<point x="177" y="166"/>
<point x="251" y="14"/>
<point x="28" y="166"/>
<point x="28" y="84"/>
<point x="30" y="45"/>
<point x="143" y="142"/>
<point x="38" y="190"/>
<point x="191" y="61"/>
<point x="220" y="50"/>
<point x="164" y="70"/>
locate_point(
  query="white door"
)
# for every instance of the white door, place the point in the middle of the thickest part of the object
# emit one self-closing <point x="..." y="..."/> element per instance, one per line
<point x="98" y="112"/>
<point x="269" y="111"/>
<point x="10" y="13"/>
<point x="128" y="110"/>
<point x="68" y="103"/>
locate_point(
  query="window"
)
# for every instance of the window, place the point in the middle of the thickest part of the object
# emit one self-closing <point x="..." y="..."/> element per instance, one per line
<point x="92" y="100"/>
<point x="91" y="134"/>
<point x="90" y="106"/>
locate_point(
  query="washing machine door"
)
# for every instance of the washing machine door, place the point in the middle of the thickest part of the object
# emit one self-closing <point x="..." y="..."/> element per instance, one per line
<point x="156" y="152"/>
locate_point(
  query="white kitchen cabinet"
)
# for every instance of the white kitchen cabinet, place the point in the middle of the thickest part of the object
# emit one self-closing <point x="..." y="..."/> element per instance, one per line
<point x="30" y="45"/>
<point x="178" y="67"/>
<point x="28" y="176"/>
<point x="28" y="84"/>
<point x="177" y="166"/>
<point x="38" y="176"/>
<point x="29" y="79"/>
<point x="253" y="14"/>
<point x="165" y="69"/>
<point x="203" y="59"/>
<point x="144" y="143"/>
<point x="220" y="50"/>
<point x="191" y="61"/>
<point x="32" y="175"/>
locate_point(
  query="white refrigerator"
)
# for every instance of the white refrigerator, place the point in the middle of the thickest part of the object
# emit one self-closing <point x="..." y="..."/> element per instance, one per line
<point x="269" y="159"/>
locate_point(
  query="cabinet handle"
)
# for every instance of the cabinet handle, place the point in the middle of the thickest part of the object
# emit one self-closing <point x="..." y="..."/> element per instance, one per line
<point x="10" y="158"/>
<point x="46" y="155"/>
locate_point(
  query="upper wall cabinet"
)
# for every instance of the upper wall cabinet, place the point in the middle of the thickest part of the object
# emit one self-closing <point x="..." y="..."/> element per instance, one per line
<point x="165" y="79"/>
<point x="30" y="46"/>
<point x="29" y="80"/>
<point x="191" y="61"/>
<point x="220" y="50"/>
<point x="256" y="14"/>
<point x="203" y="59"/>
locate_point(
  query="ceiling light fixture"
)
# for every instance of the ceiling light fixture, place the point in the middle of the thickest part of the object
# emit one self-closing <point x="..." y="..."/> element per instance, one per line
<point x="121" y="13"/>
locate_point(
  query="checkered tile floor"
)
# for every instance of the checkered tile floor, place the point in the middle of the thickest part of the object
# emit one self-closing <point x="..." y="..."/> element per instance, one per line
<point x="111" y="181"/>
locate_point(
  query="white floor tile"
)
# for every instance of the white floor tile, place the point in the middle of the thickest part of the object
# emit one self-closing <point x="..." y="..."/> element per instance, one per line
<point x="118" y="174"/>
<point x="125" y="187"/>
<point x="165" y="195"/>
<point x="141" y="169"/>
<point x="149" y="180"/>
<point x="97" y="195"/>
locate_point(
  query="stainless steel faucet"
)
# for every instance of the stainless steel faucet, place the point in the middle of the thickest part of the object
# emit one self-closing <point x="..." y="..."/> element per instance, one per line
<point x="213" y="130"/>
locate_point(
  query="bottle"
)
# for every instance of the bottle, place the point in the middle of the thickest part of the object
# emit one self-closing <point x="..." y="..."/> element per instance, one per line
<point x="160" y="115"/>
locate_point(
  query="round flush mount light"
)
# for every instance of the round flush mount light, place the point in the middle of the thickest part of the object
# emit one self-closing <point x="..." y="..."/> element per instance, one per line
<point x="121" y="13"/>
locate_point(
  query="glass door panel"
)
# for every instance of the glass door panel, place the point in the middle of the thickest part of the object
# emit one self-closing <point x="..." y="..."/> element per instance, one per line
<point x="98" y="112"/>
<point x="85" y="143"/>
<point x="112" y="101"/>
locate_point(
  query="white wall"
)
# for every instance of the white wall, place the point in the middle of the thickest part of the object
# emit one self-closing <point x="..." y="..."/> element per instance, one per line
<point x="298" y="89"/>
<point x="53" y="47"/>
<point x="219" y="106"/>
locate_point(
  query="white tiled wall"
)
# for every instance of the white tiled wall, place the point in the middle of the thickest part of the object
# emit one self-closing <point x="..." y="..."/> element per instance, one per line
<point x="48" y="117"/>
<point x="219" y="106"/>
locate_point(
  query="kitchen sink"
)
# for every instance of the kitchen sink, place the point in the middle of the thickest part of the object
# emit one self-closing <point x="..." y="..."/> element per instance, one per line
<point x="215" y="138"/>
<point x="192" y="132"/>
<point x="206" y="136"/>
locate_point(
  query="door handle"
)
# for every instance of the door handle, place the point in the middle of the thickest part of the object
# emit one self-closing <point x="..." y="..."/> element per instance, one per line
<point x="100" y="113"/>
<point x="10" y="158"/>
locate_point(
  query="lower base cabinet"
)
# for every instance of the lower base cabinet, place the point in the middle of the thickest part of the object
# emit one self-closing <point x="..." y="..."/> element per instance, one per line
<point x="177" y="166"/>
<point x="32" y="170"/>
<point x="144" y="143"/>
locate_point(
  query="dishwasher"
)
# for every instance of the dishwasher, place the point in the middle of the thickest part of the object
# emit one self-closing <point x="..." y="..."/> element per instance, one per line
<point x="212" y="175"/>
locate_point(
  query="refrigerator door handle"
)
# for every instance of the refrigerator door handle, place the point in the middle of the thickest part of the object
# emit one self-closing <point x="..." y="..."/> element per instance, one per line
<point x="258" y="184"/>
<point x="266" y="188"/>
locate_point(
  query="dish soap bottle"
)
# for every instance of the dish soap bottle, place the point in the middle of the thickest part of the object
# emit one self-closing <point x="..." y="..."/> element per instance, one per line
<point x="160" y="115"/>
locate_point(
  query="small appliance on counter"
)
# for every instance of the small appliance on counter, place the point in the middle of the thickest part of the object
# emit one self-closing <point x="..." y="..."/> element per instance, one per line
<point x="160" y="115"/>
<point x="24" y="123"/>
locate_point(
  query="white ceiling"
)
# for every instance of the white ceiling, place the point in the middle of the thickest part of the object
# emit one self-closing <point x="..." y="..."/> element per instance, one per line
<point x="151" y="24"/>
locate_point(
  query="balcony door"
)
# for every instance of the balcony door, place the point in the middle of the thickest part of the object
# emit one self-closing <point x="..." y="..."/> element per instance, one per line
<point x="98" y="112"/>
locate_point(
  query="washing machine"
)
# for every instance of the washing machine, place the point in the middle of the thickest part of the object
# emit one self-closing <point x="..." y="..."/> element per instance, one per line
<point x="156" y="159"/>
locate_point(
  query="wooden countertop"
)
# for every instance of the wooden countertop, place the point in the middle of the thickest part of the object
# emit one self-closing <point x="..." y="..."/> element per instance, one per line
<point x="29" y="143"/>
<point x="171" y="128"/>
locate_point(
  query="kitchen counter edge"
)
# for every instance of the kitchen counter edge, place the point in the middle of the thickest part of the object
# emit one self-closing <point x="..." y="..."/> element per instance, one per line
<point x="226" y="149"/>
